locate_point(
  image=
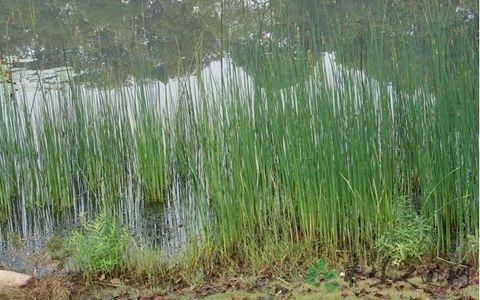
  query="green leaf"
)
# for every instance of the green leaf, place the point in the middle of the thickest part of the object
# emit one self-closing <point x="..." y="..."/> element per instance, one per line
<point x="329" y="275"/>
<point x="321" y="265"/>
<point x="331" y="286"/>
<point x="311" y="280"/>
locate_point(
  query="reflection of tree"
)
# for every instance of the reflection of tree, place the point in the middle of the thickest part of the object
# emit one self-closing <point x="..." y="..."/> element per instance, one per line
<point x="108" y="36"/>
<point x="161" y="37"/>
<point x="359" y="31"/>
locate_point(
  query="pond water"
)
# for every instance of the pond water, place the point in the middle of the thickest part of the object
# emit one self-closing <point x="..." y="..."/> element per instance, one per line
<point x="160" y="225"/>
<point x="171" y="225"/>
<point x="163" y="45"/>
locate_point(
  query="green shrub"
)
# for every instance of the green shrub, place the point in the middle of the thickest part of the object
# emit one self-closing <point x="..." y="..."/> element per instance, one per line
<point x="409" y="239"/>
<point x="99" y="247"/>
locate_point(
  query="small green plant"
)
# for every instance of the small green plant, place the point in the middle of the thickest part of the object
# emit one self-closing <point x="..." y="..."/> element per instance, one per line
<point x="146" y="263"/>
<point x="99" y="247"/>
<point x="467" y="252"/>
<point x="407" y="241"/>
<point x="320" y="272"/>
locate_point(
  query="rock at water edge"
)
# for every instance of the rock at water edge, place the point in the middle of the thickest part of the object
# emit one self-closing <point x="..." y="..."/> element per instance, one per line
<point x="10" y="279"/>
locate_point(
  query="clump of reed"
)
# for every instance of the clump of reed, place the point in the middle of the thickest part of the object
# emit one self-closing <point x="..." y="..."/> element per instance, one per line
<point x="323" y="154"/>
<point x="299" y="151"/>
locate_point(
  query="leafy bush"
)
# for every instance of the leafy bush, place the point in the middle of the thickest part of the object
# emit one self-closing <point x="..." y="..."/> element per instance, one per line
<point x="408" y="240"/>
<point x="99" y="247"/>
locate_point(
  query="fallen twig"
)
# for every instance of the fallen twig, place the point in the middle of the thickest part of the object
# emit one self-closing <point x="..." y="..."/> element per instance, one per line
<point x="455" y="264"/>
<point x="412" y="284"/>
<point x="108" y="284"/>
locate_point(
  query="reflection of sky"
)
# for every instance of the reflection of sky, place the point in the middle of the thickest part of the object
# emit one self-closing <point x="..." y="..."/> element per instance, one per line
<point x="47" y="89"/>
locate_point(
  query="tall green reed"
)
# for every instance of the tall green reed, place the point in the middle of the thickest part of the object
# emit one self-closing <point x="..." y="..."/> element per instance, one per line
<point x="298" y="150"/>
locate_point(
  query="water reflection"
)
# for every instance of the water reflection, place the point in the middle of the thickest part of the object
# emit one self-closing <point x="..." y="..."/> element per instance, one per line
<point x="174" y="223"/>
<point x="43" y="94"/>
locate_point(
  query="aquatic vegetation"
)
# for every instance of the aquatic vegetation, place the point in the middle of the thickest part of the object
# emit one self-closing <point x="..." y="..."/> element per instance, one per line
<point x="287" y="148"/>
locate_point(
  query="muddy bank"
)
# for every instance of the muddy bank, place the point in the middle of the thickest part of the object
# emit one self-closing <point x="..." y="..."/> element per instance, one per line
<point x="433" y="281"/>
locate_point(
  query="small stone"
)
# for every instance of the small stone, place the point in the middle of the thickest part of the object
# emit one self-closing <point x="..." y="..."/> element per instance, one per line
<point x="116" y="281"/>
<point x="12" y="279"/>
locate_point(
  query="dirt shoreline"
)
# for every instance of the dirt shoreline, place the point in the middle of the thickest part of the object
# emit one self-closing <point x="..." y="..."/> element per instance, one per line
<point x="425" y="282"/>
